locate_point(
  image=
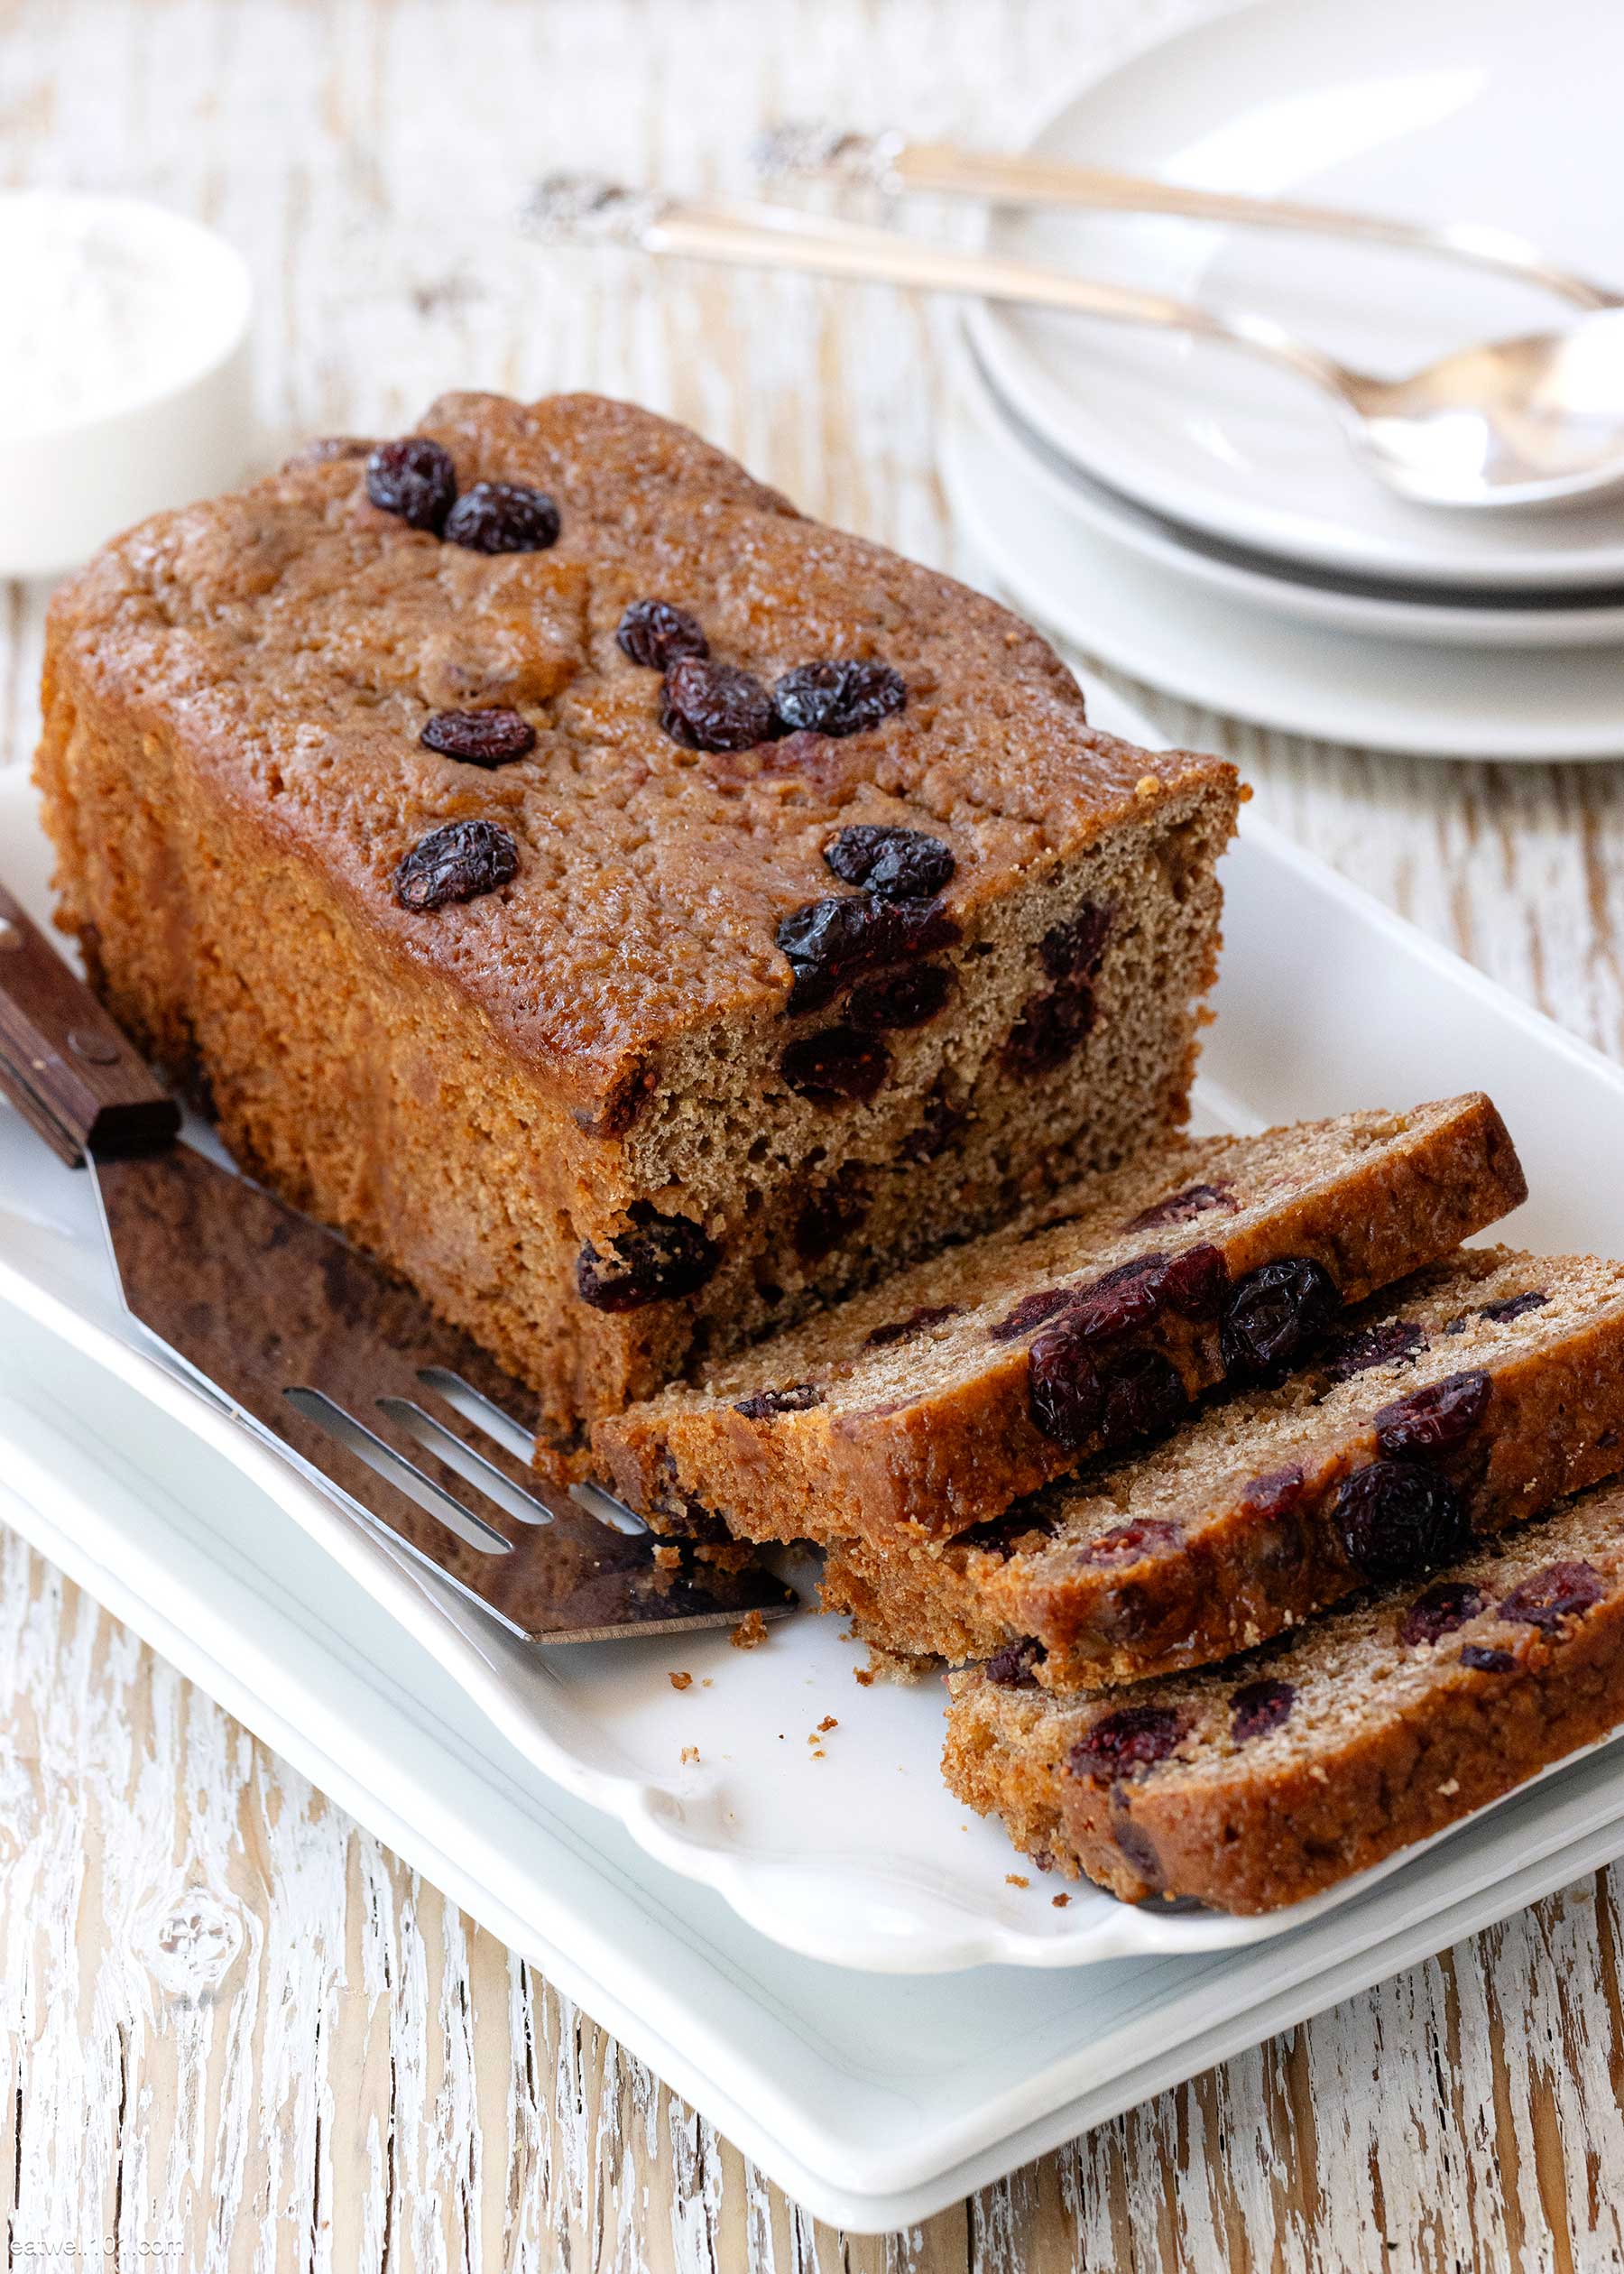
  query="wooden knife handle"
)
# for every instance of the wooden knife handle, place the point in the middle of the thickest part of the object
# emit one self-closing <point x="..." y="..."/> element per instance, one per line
<point x="63" y="1063"/>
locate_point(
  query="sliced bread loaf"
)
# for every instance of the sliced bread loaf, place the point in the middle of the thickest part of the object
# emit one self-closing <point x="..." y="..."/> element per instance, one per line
<point x="1257" y="1783"/>
<point x="929" y="1403"/>
<point x="1465" y="1400"/>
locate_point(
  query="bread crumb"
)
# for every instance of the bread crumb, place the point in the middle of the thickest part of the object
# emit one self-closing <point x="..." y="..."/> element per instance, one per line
<point x="1147" y="786"/>
<point x="862" y="1674"/>
<point x="1059" y="1901"/>
<point x="828" y="1722"/>
<point x="705" y="1682"/>
<point x="690" y="1753"/>
<point x="668" y="1558"/>
<point x="818" y="1753"/>
<point x="680" y="1681"/>
<point x="894" y="1666"/>
<point x="1013" y="1879"/>
<point x="750" y="1633"/>
<point x="1450" y="1788"/>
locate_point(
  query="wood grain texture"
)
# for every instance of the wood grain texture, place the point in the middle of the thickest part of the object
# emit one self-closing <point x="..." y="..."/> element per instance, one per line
<point x="237" y="2032"/>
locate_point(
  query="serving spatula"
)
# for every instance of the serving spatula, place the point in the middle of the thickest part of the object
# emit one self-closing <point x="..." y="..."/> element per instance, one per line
<point x="403" y="1421"/>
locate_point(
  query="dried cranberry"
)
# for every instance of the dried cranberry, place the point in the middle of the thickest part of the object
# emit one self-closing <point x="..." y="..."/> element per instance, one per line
<point x="1120" y="1299"/>
<point x="837" y="698"/>
<point x="1052" y="1028"/>
<point x="1479" y="1659"/>
<point x="1076" y="950"/>
<point x="901" y="1000"/>
<point x="659" y="1258"/>
<point x="837" y="1062"/>
<point x="827" y="1218"/>
<point x="896" y="863"/>
<point x="504" y="517"/>
<point x="1275" y="1493"/>
<point x="1274" y="1315"/>
<point x="1395" y="1517"/>
<point x="937" y="1127"/>
<point x="1134" y="1843"/>
<point x="1032" y="1311"/>
<point x="488" y="738"/>
<point x="898" y="1330"/>
<point x="1565" y="1590"/>
<point x="1194" y="1282"/>
<point x="413" y="477"/>
<point x="1011" y="1666"/>
<point x="1063" y="1391"/>
<point x="1514" y="1305"/>
<point x="1385" y="1343"/>
<point x="1134" y="1737"/>
<point x="1141" y="1536"/>
<point x="654" y="633"/>
<point x="1257" y="1707"/>
<point x="800" y="1397"/>
<point x="1432" y="1420"/>
<point x="458" y="862"/>
<point x="1143" y="1396"/>
<point x="706" y="706"/>
<point x="1180" y="1207"/>
<point x="1446" y="1605"/>
<point x="832" y="941"/>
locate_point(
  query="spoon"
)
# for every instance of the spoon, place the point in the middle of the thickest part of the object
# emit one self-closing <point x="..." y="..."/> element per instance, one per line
<point x="895" y="166"/>
<point x="1532" y="420"/>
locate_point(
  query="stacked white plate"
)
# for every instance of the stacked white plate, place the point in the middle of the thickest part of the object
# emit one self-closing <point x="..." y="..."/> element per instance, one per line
<point x="1196" y="517"/>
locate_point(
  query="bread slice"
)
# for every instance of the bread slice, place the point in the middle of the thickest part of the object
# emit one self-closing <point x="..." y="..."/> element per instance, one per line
<point x="931" y="1402"/>
<point x="633" y="911"/>
<point x="1472" y="1396"/>
<point x="1260" y="1782"/>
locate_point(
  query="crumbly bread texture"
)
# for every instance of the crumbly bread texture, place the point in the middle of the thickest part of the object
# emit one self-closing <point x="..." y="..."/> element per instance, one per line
<point x="1258" y="1783"/>
<point x="1494" y="1383"/>
<point x="596" y="1061"/>
<point x="928" y="1404"/>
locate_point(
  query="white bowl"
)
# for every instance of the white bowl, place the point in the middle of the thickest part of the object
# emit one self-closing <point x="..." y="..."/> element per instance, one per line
<point x="149" y="406"/>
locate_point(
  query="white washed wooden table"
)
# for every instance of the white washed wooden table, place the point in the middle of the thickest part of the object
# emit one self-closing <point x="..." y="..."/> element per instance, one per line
<point x="237" y="2031"/>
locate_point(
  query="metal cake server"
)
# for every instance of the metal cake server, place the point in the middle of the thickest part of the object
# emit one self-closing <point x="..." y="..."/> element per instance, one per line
<point x="403" y="1421"/>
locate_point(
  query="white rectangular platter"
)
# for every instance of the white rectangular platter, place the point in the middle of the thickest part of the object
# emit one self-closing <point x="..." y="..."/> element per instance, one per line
<point x="873" y="2100"/>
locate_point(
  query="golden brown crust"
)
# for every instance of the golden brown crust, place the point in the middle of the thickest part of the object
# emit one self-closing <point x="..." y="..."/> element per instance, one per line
<point x="306" y="637"/>
<point x="1230" y="1533"/>
<point x="1388" y="1740"/>
<point x="232" y="770"/>
<point x="952" y="1444"/>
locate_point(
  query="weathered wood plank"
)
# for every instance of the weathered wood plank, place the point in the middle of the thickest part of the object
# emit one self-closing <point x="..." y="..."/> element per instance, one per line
<point x="231" y="2021"/>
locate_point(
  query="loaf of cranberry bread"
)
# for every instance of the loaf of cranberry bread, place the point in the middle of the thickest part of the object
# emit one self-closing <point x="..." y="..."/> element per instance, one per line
<point x="928" y="1404"/>
<point x="627" y="906"/>
<point x="1260" y="1782"/>
<point x="1464" y="1401"/>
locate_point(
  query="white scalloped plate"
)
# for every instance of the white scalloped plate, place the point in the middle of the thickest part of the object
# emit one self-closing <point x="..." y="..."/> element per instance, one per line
<point x="861" y="1857"/>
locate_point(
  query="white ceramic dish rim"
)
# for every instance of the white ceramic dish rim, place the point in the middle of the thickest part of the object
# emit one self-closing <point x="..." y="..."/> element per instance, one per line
<point x="994" y="329"/>
<point x="1353" y="691"/>
<point x="1444" y="615"/>
<point x="212" y="259"/>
